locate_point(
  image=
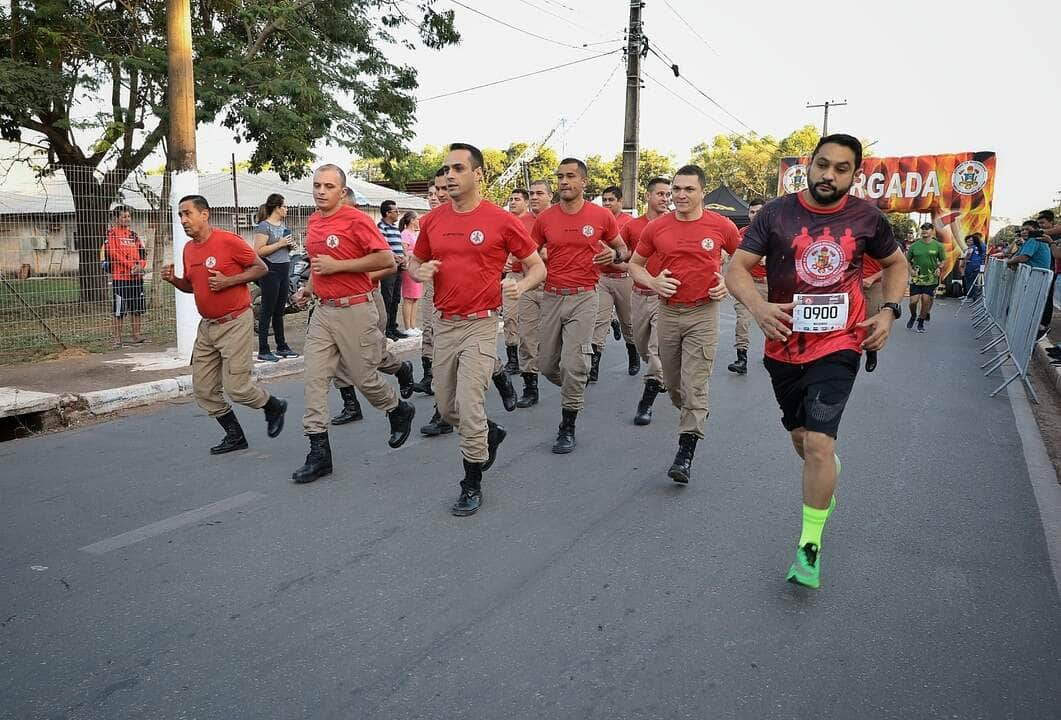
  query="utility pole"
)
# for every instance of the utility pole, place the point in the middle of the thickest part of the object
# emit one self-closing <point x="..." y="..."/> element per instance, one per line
<point x="235" y="197"/>
<point x="184" y="177"/>
<point x="827" y="104"/>
<point x="633" y="110"/>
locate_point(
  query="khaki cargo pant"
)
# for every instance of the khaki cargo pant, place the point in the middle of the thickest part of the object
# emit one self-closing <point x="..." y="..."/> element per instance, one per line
<point x="567" y="342"/>
<point x="528" y="314"/>
<point x="510" y="311"/>
<point x="613" y="293"/>
<point x="744" y="318"/>
<point x="389" y="363"/>
<point x="465" y="359"/>
<point x="222" y="358"/>
<point x="688" y="338"/>
<point x="644" y="310"/>
<point x="428" y="318"/>
<point x="350" y="338"/>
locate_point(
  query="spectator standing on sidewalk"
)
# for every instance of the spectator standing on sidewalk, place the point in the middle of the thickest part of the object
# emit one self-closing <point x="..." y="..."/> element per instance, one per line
<point x="125" y="257"/>
<point x="272" y="242"/>
<point x="391" y="286"/>
<point x="412" y="289"/>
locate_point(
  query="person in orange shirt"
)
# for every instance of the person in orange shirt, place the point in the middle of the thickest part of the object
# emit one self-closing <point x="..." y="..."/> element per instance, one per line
<point x="126" y="259"/>
<point x="217" y="267"/>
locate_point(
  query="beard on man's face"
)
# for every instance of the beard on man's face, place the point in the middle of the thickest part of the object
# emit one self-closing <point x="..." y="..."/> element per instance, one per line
<point x="825" y="193"/>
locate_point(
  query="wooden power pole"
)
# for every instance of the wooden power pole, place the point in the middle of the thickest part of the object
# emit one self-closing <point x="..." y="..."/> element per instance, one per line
<point x="827" y="104"/>
<point x="633" y="110"/>
<point x="184" y="176"/>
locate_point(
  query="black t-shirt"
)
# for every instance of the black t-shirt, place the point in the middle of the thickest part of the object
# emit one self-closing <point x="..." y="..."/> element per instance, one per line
<point x="810" y="251"/>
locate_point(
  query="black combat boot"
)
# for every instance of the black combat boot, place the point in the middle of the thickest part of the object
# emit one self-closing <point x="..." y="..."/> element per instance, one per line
<point x="274" y="415"/>
<point x="401" y="419"/>
<point x="508" y="393"/>
<point x="234" y="438"/>
<point x="740" y="365"/>
<point x="436" y="426"/>
<point x="495" y="435"/>
<point x="351" y="407"/>
<point x="616" y="330"/>
<point x="424" y="386"/>
<point x="530" y="391"/>
<point x="512" y="366"/>
<point x="318" y="461"/>
<point x="405" y="380"/>
<point x="565" y="438"/>
<point x="644" y="407"/>
<point x="471" y="498"/>
<point x="683" y="460"/>
<point x="633" y="358"/>
<point x="594" y="363"/>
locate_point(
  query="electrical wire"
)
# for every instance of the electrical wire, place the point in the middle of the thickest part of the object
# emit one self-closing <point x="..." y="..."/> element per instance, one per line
<point x="674" y="68"/>
<point x="519" y="77"/>
<point x="691" y="28"/>
<point x="513" y="27"/>
<point x="694" y="107"/>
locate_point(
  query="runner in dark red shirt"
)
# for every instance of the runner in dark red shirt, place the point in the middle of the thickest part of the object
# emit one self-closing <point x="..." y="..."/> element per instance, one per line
<point x="815" y="321"/>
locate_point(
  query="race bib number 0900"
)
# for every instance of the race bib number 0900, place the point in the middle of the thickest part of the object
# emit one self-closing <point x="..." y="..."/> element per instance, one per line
<point x="819" y="313"/>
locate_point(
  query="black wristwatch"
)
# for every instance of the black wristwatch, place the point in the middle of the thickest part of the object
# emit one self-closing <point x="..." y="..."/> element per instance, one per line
<point x="894" y="308"/>
<point x="618" y="256"/>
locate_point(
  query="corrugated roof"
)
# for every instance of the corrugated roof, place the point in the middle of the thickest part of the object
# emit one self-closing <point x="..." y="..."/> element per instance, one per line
<point x="51" y="195"/>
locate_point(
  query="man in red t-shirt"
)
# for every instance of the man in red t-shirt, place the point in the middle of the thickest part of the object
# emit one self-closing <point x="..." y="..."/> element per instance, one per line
<point x="744" y="318"/>
<point x="644" y="302"/>
<point x="217" y="267"/>
<point x="689" y="242"/>
<point x="344" y="247"/>
<point x="613" y="296"/>
<point x="462" y="248"/>
<point x="517" y="205"/>
<point x="815" y="321"/>
<point x="126" y="258"/>
<point x="529" y="305"/>
<point x="578" y="238"/>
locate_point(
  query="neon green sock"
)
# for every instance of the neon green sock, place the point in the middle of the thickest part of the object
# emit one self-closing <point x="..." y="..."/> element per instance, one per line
<point x="813" y="525"/>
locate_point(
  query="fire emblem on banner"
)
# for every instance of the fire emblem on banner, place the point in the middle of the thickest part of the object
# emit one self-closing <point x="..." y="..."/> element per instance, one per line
<point x="955" y="189"/>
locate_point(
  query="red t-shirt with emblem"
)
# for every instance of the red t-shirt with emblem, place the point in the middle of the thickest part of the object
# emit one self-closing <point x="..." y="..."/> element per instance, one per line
<point x="759" y="271"/>
<point x="346" y="234"/>
<point x="571" y="241"/>
<point x="631" y="233"/>
<point x="227" y="253"/>
<point x="622" y="220"/>
<point x="527" y="219"/>
<point x="811" y="251"/>
<point x="472" y="247"/>
<point x="124" y="252"/>
<point x="691" y="250"/>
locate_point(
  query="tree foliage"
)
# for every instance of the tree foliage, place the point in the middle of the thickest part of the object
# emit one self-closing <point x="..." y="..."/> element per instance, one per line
<point x="85" y="82"/>
<point x="902" y="225"/>
<point x="748" y="164"/>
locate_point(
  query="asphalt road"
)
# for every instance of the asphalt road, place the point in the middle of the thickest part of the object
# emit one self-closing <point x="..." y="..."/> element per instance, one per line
<point x="141" y="578"/>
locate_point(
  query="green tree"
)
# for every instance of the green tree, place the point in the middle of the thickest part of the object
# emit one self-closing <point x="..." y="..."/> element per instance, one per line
<point x="902" y="224"/>
<point x="748" y="164"/>
<point x="85" y="82"/>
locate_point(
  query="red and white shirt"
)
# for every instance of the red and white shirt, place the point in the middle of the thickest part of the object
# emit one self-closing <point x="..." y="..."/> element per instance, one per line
<point x="346" y="234"/>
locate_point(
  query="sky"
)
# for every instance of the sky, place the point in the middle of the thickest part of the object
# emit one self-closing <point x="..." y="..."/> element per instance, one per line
<point x="919" y="77"/>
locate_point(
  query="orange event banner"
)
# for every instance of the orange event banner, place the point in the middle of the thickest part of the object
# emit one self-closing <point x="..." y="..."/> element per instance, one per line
<point x="955" y="189"/>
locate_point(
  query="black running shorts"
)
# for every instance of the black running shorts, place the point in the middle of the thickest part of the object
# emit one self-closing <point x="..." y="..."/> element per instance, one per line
<point x="129" y="298"/>
<point x="813" y="395"/>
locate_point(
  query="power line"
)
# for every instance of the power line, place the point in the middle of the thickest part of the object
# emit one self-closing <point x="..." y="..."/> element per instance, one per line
<point x="674" y="68"/>
<point x="594" y="98"/>
<point x="570" y="22"/>
<point x="694" y="107"/>
<point x="519" y="77"/>
<point x="691" y="28"/>
<point x="513" y="27"/>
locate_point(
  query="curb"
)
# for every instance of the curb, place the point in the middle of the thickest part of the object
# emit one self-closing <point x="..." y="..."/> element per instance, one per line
<point x="1052" y="370"/>
<point x="105" y="402"/>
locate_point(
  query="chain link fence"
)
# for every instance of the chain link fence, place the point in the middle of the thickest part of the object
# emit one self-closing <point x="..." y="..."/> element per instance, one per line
<point x="64" y="255"/>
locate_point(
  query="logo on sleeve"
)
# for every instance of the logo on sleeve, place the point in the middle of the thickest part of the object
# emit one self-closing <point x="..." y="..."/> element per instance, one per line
<point x="477" y="237"/>
<point x="587" y="230"/>
<point x="707" y="244"/>
<point x="210" y="262"/>
<point x="332" y="241"/>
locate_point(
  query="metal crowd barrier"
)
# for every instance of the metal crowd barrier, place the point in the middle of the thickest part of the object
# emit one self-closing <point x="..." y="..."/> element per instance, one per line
<point x="974" y="296"/>
<point x="1012" y="305"/>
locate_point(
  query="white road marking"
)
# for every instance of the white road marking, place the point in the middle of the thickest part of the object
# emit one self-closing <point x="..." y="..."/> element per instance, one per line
<point x="171" y="523"/>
